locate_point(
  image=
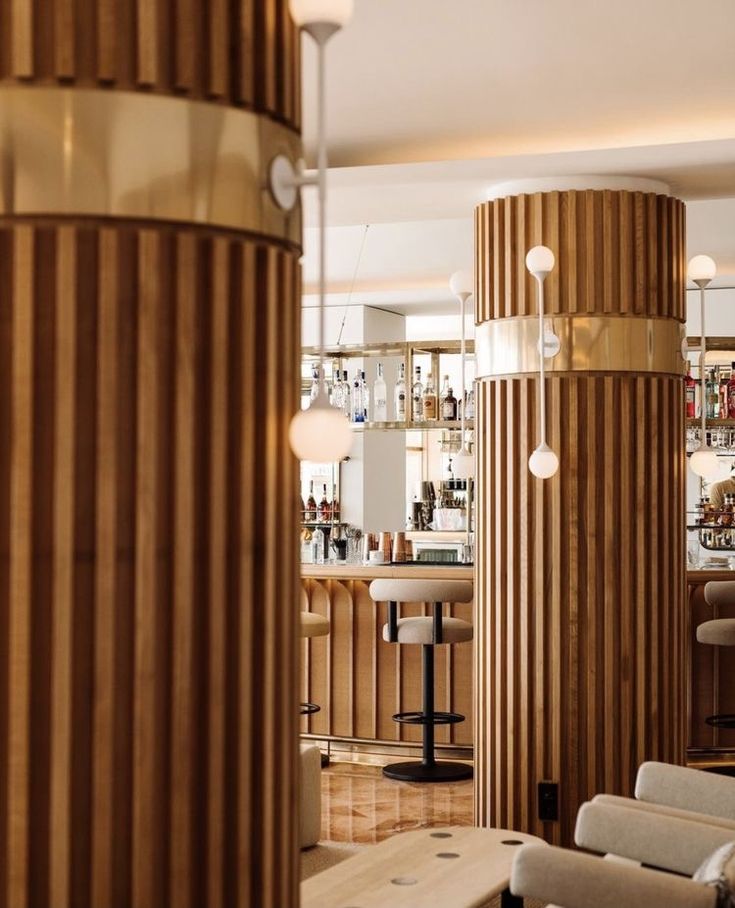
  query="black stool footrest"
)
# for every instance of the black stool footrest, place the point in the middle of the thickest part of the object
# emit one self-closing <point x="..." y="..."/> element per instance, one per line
<point x="723" y="720"/>
<point x="308" y="709"/>
<point x="420" y="718"/>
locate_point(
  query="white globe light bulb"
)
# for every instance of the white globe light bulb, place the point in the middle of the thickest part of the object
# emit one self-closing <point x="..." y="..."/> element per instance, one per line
<point x="463" y="464"/>
<point x="320" y="434"/>
<point x="540" y="261"/>
<point x="701" y="268"/>
<point x="312" y="12"/>
<point x="462" y="283"/>
<point x="704" y="463"/>
<point x="543" y="463"/>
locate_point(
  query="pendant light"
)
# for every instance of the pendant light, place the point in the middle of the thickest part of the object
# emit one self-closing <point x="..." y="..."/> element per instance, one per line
<point x="461" y="283"/>
<point x="320" y="433"/>
<point x="701" y="271"/>
<point x="543" y="462"/>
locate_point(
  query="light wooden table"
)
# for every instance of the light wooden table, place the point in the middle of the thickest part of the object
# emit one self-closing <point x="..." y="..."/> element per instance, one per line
<point x="457" y="866"/>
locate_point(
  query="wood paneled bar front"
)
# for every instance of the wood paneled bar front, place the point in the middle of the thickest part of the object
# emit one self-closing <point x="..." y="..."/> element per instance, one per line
<point x="359" y="680"/>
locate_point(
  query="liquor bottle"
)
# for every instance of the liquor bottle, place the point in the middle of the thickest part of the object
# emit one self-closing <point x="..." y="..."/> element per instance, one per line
<point x="400" y="394"/>
<point x="365" y="397"/>
<point x="335" y="504"/>
<point x="713" y="396"/>
<point x="724" y="379"/>
<point x="429" y="398"/>
<point x="690" y="393"/>
<point x="417" y="396"/>
<point x="358" y="412"/>
<point x="325" y="509"/>
<point x="449" y="406"/>
<point x="346" y="396"/>
<point x="310" y="513"/>
<point x="303" y="508"/>
<point x="731" y="394"/>
<point x="314" y="383"/>
<point x="443" y="393"/>
<point x="380" y="397"/>
<point x="335" y="396"/>
<point x="470" y="414"/>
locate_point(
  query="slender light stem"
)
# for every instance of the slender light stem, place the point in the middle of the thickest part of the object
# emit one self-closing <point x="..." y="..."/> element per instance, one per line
<point x="322" y="194"/>
<point x="462" y="301"/>
<point x="542" y="363"/>
<point x="702" y="378"/>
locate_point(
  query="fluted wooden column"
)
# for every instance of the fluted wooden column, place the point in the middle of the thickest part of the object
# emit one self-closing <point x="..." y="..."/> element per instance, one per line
<point x="580" y="578"/>
<point x="149" y="346"/>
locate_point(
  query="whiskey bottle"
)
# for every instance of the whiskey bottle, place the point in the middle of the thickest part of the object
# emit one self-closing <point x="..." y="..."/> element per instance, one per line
<point x="325" y="509"/>
<point x="400" y="394"/>
<point x="690" y="393"/>
<point x="380" y="397"/>
<point x="429" y="399"/>
<point x="449" y="406"/>
<point x="310" y="513"/>
<point x="417" y="396"/>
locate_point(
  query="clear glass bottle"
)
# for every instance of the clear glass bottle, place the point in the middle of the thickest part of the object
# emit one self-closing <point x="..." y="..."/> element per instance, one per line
<point x="429" y="398"/>
<point x="713" y="396"/>
<point x="380" y="397"/>
<point x="346" y="396"/>
<point x="358" y="412"/>
<point x="417" y="396"/>
<point x="399" y="395"/>
<point x="365" y="397"/>
<point x="336" y="396"/>
<point x="314" y="383"/>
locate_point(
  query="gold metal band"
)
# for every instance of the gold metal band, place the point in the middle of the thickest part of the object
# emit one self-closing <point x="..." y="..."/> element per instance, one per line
<point x="589" y="343"/>
<point x="69" y="151"/>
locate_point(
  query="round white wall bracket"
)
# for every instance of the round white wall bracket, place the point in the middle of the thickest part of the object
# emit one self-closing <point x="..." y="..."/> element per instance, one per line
<point x="551" y="345"/>
<point x="284" y="182"/>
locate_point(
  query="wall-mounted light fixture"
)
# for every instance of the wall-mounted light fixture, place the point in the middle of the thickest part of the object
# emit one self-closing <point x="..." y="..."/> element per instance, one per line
<point x="462" y="285"/>
<point x="543" y="462"/>
<point x="319" y="433"/>
<point x="701" y="271"/>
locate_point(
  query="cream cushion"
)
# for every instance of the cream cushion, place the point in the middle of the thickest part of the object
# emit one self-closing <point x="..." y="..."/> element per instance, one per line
<point x="310" y="796"/>
<point x="720" y="592"/>
<point x="388" y="590"/>
<point x="686" y="789"/>
<point x="313" y="625"/>
<point x="421" y="630"/>
<point x="719" y="632"/>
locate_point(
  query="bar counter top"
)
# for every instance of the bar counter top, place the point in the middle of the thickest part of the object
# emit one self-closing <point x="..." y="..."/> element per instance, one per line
<point x="396" y="571"/>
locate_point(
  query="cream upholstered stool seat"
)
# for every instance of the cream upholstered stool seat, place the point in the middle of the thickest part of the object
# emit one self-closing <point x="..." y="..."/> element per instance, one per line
<point x="427" y="632"/>
<point x="719" y="632"/>
<point x="313" y="625"/>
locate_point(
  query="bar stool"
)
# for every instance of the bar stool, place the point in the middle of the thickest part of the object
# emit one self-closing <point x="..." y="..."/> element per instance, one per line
<point x="719" y="632"/>
<point x="428" y="632"/>
<point x="312" y="625"/>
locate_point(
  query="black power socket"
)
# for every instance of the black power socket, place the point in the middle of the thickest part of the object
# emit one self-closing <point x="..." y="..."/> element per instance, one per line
<point x="548" y="801"/>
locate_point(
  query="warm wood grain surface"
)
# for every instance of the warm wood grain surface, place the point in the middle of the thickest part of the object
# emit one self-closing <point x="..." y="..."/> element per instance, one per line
<point x="359" y="680"/>
<point x="148" y="597"/>
<point x="243" y="53"/>
<point x="580" y="618"/>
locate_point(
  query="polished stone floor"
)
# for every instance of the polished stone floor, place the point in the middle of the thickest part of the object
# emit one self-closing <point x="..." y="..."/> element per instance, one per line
<point x="359" y="804"/>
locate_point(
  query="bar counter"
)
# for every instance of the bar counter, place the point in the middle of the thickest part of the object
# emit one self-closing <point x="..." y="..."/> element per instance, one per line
<point x="359" y="680"/>
<point x="711" y="671"/>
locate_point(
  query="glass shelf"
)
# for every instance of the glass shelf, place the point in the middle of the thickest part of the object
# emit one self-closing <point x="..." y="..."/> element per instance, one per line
<point x="409" y="426"/>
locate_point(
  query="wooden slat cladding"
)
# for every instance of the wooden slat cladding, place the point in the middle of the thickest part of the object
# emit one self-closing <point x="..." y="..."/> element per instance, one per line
<point x="240" y="52"/>
<point x="360" y="681"/>
<point x="617" y="253"/>
<point x="580" y="620"/>
<point x="147" y="599"/>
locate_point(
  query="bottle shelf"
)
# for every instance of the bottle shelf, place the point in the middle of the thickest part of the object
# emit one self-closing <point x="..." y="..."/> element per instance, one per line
<point x="319" y="524"/>
<point x="408" y="426"/>
<point x="710" y="423"/>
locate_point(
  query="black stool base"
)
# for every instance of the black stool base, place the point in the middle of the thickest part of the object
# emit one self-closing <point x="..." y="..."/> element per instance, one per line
<point x="724" y="720"/>
<point x="414" y="771"/>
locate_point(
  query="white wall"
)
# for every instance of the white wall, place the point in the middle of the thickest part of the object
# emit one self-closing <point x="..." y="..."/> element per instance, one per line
<point x="719" y="313"/>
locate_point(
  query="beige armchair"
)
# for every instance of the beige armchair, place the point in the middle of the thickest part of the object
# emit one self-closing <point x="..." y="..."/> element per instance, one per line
<point x="685" y="817"/>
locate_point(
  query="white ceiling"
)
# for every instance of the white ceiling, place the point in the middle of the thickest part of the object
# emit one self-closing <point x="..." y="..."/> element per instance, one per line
<point x="432" y="102"/>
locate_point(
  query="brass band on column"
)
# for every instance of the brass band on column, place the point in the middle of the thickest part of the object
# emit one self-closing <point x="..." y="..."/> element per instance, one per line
<point x="589" y="343"/>
<point x="147" y="157"/>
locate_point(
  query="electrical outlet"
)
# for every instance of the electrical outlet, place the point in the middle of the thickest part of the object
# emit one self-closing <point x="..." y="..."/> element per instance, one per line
<point x="548" y="801"/>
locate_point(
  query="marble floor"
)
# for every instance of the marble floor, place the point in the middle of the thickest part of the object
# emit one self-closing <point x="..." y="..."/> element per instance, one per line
<point x="360" y="805"/>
